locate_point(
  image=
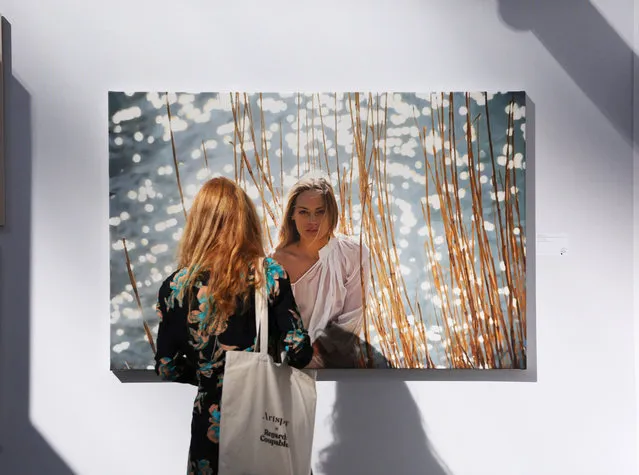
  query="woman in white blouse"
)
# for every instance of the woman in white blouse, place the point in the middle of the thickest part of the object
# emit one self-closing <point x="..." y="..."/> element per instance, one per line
<point x="325" y="270"/>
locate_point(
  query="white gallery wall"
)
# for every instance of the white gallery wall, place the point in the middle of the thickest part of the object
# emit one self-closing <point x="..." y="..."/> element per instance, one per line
<point x="573" y="412"/>
<point x="636" y="205"/>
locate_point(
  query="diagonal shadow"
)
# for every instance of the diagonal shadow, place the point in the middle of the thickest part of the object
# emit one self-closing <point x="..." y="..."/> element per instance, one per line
<point x="587" y="47"/>
<point x="23" y="450"/>
<point x="377" y="428"/>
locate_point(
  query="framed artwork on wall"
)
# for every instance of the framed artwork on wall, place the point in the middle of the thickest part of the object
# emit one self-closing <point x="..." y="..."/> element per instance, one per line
<point x="430" y="191"/>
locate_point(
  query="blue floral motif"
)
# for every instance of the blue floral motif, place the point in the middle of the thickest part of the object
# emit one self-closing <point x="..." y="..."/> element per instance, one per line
<point x="203" y="300"/>
<point x="200" y="467"/>
<point x="206" y="368"/>
<point x="214" y="429"/>
<point x="274" y="271"/>
<point x="295" y="338"/>
<point x="158" y="311"/>
<point x="167" y="369"/>
<point x="177" y="284"/>
<point x="199" y="399"/>
<point x="202" y="332"/>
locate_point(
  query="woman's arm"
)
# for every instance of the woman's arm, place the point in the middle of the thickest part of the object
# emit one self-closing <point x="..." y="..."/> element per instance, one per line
<point x="337" y="346"/>
<point x="285" y="315"/>
<point x="172" y="362"/>
<point x="351" y="318"/>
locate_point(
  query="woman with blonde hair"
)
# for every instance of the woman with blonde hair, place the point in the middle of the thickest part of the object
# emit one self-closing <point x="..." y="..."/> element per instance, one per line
<point x="206" y="308"/>
<point x="329" y="272"/>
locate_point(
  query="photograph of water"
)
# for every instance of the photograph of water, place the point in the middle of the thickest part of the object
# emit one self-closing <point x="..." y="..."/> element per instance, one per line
<point x="433" y="183"/>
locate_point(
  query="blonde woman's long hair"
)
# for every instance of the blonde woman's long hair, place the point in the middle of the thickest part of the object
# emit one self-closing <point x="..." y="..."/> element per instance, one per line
<point x="222" y="239"/>
<point x="288" y="232"/>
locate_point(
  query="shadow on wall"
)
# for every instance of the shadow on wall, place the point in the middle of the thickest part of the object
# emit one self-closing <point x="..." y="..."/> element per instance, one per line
<point x="378" y="430"/>
<point x="590" y="51"/>
<point x="23" y="450"/>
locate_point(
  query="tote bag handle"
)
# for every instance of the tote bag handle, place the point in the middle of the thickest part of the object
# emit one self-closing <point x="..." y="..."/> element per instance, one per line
<point x="261" y="311"/>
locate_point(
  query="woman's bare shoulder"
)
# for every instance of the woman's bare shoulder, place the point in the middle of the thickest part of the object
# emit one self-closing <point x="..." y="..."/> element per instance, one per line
<point x="285" y="255"/>
<point x="292" y="250"/>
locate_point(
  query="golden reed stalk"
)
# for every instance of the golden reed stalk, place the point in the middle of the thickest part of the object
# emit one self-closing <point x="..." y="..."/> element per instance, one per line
<point x="175" y="159"/>
<point x="134" y="284"/>
<point x="476" y="330"/>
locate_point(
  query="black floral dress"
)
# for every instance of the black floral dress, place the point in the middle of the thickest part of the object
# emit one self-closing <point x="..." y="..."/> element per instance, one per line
<point x="188" y="353"/>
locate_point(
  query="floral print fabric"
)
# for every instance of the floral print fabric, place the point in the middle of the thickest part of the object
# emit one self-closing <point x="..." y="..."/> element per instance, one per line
<point x="188" y="352"/>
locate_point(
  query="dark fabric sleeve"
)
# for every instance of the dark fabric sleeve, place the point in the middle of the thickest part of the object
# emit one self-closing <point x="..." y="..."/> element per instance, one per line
<point x="294" y="337"/>
<point x="173" y="360"/>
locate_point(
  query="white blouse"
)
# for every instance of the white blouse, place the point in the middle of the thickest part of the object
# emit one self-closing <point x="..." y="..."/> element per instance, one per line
<point x="330" y="291"/>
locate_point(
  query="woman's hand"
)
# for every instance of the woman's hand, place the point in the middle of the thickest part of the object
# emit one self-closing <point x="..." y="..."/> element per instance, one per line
<point x="318" y="360"/>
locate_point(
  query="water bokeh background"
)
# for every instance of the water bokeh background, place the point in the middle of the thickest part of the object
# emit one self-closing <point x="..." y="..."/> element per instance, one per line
<point x="146" y="209"/>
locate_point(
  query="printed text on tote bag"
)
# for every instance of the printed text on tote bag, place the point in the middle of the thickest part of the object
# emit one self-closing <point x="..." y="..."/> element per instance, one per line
<point x="275" y="437"/>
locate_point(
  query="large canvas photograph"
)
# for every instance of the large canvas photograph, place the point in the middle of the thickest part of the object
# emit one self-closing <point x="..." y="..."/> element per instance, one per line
<point x="429" y="242"/>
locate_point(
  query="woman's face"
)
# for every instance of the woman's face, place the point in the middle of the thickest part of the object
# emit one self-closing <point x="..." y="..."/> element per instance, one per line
<point x="310" y="215"/>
